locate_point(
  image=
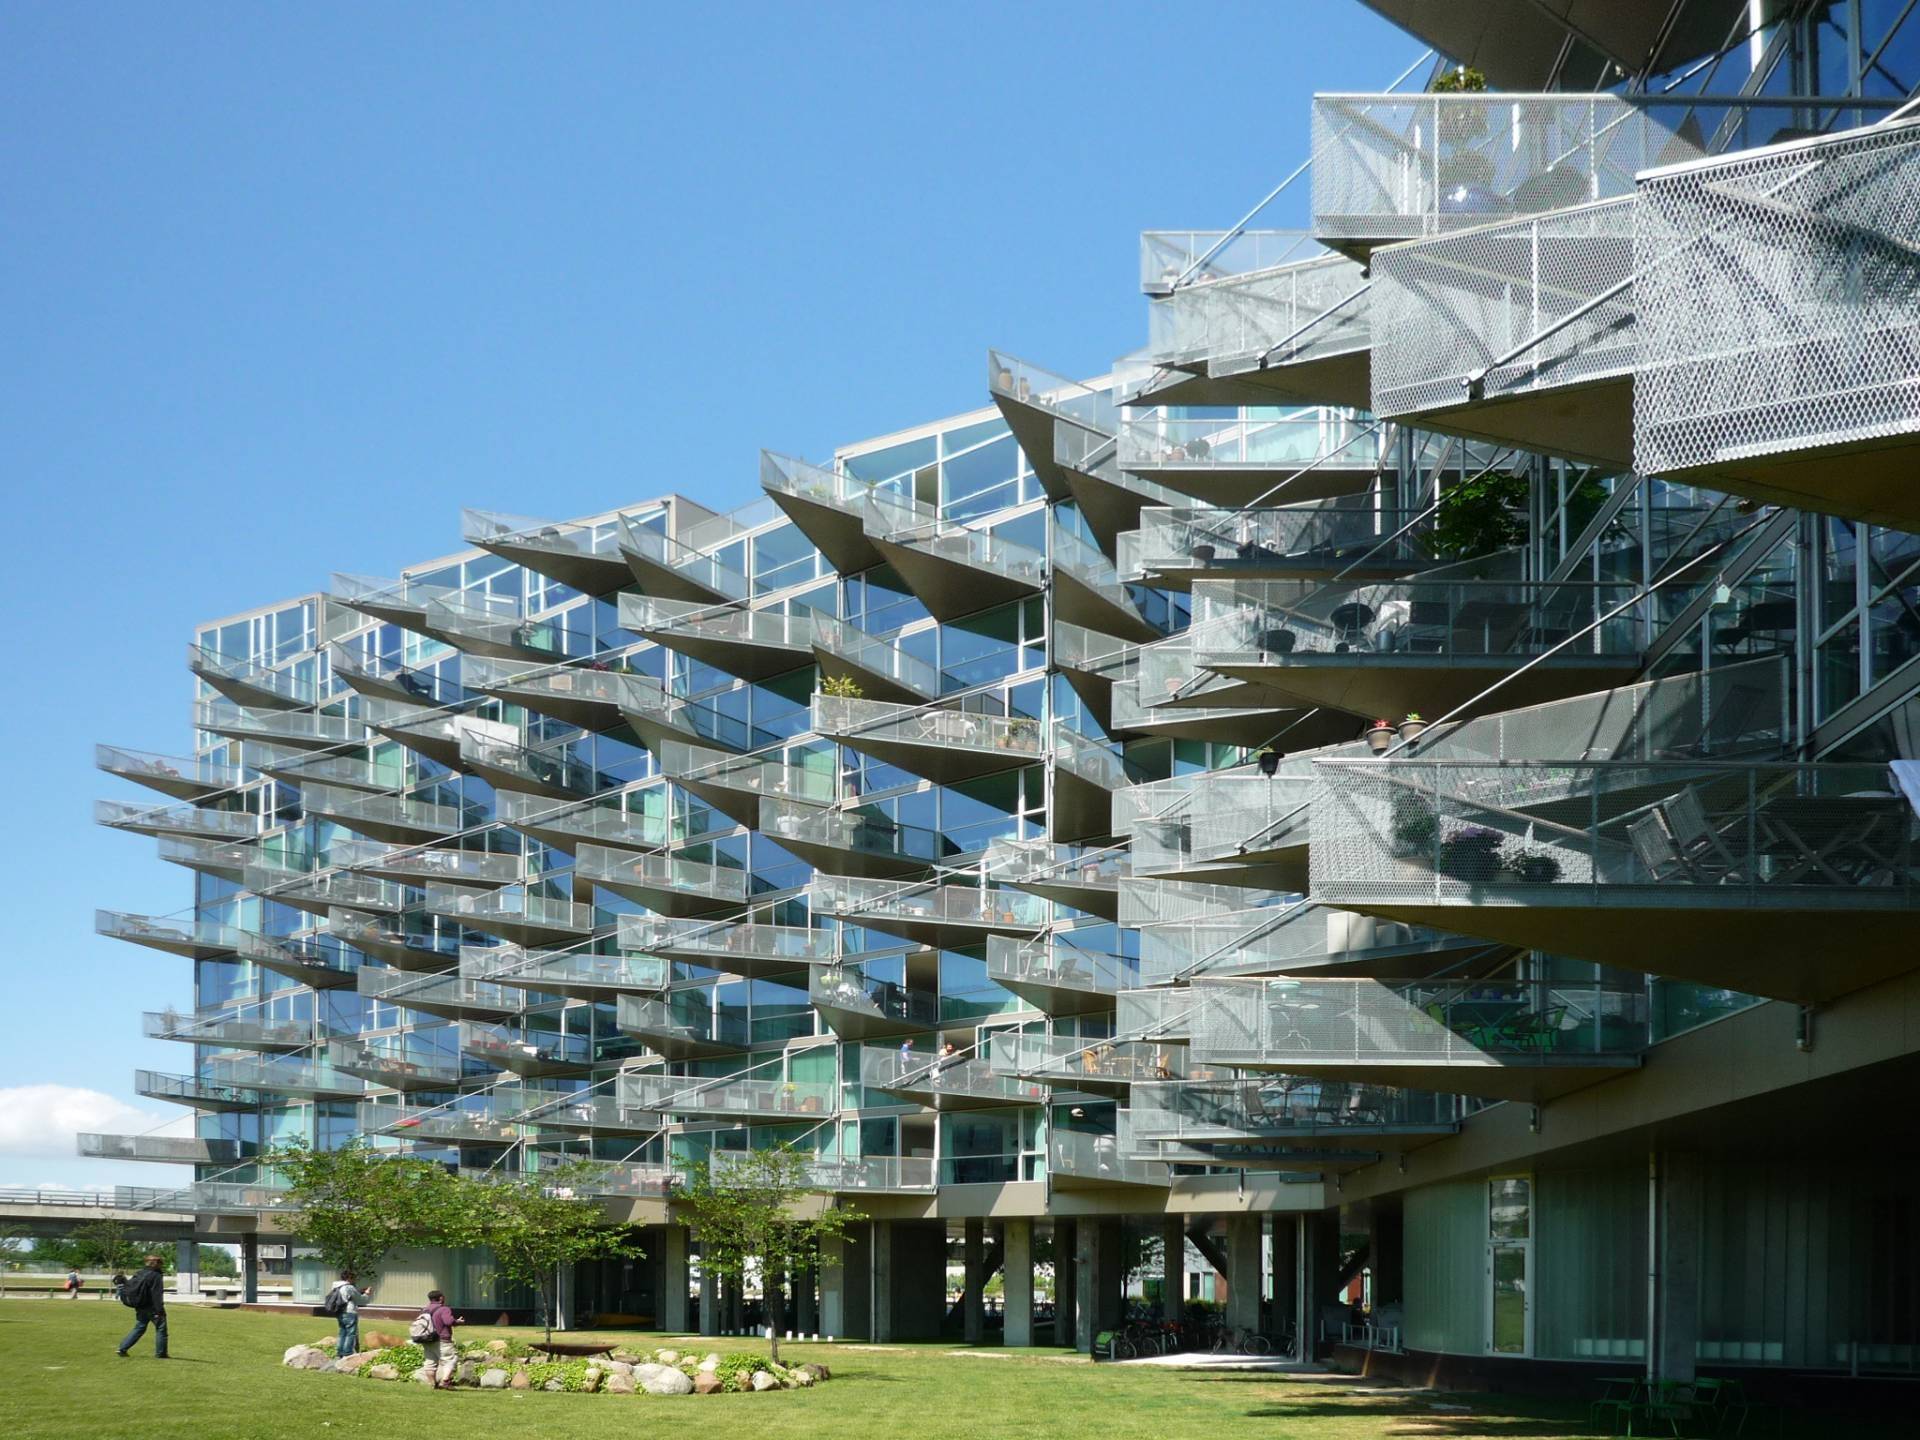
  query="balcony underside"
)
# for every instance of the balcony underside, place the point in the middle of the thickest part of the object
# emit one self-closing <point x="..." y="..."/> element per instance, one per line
<point x="288" y="771"/>
<point x="1343" y="378"/>
<point x="1095" y="689"/>
<point x="1285" y="869"/>
<point x="247" y="696"/>
<point x="852" y="1022"/>
<point x="390" y="610"/>
<point x="651" y="577"/>
<point x="235" y="727"/>
<point x="846" y="859"/>
<point x="213" y="1100"/>
<point x="530" y="1067"/>
<point x="738" y="805"/>
<point x="470" y="640"/>
<point x="1329" y="1139"/>
<point x="394" y="830"/>
<point x="680" y="1045"/>
<point x="528" y="782"/>
<point x="1126" y="1174"/>
<point x="1232" y="487"/>
<point x="1111" y="506"/>
<point x="391" y="947"/>
<point x="586" y="711"/>
<point x="1532" y="1079"/>
<point x="1350" y="563"/>
<point x="1590" y="422"/>
<point x="589" y="574"/>
<point x="746" y="965"/>
<point x="840" y="535"/>
<point x="1376" y="685"/>
<point x="931" y="760"/>
<point x="937" y="933"/>
<point x="1055" y="998"/>
<point x="744" y="659"/>
<point x="1032" y="427"/>
<point x="523" y="930"/>
<point x="951" y="589"/>
<point x="948" y="1101"/>
<point x="441" y="1007"/>
<point x="177" y="944"/>
<point x="396" y="1076"/>
<point x="1869" y="480"/>
<point x="664" y="898"/>
<point x="573" y="987"/>
<point x="1236" y="1156"/>
<point x="656" y="733"/>
<point x="1080" y="604"/>
<point x="1089" y="896"/>
<point x="440" y="746"/>
<point x="1793" y="951"/>
<point x="874" y="684"/>
<point x="177" y="787"/>
<point x="1081" y="808"/>
<point x="1250" y="726"/>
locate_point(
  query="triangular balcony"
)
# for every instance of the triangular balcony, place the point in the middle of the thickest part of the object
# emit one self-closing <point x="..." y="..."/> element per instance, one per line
<point x="193" y="778"/>
<point x="667" y="884"/>
<point x="585" y="557"/>
<point x="750" y="644"/>
<point x="945" y="746"/>
<point x="1030" y="399"/>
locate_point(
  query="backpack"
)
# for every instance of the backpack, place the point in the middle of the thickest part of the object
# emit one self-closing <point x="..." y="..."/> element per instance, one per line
<point x="421" y="1330"/>
<point x="133" y="1294"/>
<point x="336" y="1301"/>
<point x="127" y="1297"/>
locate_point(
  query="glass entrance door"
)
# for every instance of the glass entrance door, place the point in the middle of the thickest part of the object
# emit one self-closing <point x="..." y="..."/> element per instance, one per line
<point x="1510" y="1265"/>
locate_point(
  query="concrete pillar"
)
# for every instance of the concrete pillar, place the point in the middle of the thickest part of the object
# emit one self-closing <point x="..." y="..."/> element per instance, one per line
<point x="1243" y="1274"/>
<point x="1102" y="1280"/>
<point x="1677" y="1198"/>
<point x="973" y="1306"/>
<point x="846" y="1292"/>
<point x="1387" y="1256"/>
<point x="1286" y="1273"/>
<point x="909" y="1279"/>
<point x="1173" y="1267"/>
<point x="806" y="1317"/>
<point x="250" y="1269"/>
<point x="710" y="1302"/>
<point x="1066" y="1283"/>
<point x="736" y="1301"/>
<point x="673" y="1278"/>
<point x="1017" y="1243"/>
<point x="186" y="1268"/>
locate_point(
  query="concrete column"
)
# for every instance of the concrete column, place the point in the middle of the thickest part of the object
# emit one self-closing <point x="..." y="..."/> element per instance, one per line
<point x="909" y="1279"/>
<point x="845" y="1284"/>
<point x="1066" y="1283"/>
<point x="1387" y="1256"/>
<point x="710" y="1302"/>
<point x="973" y="1307"/>
<point x="1017" y="1243"/>
<point x="1243" y="1274"/>
<point x="1173" y="1267"/>
<point x="1286" y="1272"/>
<point x="186" y="1268"/>
<point x="806" y="1317"/>
<point x="250" y="1269"/>
<point x="673" y="1278"/>
<point x="736" y="1299"/>
<point x="1678" y="1200"/>
<point x="1102" y="1280"/>
<point x="562" y="1297"/>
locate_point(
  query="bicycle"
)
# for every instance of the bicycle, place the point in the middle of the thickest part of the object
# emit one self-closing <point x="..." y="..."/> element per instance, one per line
<point x="1232" y="1340"/>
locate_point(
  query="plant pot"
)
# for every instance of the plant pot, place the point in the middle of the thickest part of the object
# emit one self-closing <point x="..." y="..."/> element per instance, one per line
<point x="1537" y="869"/>
<point x="1411" y="730"/>
<point x="1379" y="737"/>
<point x="1201" y="552"/>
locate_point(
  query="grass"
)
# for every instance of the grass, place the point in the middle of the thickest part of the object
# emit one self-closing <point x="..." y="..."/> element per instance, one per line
<point x="226" y="1382"/>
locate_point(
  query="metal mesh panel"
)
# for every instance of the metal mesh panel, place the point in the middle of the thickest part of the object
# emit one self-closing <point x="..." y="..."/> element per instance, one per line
<point x="1396" y="167"/>
<point x="1455" y="303"/>
<point x="1189" y="538"/>
<point x="1276" y="1108"/>
<point x="1285" y="442"/>
<point x="1145" y="902"/>
<point x="1278" y="311"/>
<point x="1779" y="301"/>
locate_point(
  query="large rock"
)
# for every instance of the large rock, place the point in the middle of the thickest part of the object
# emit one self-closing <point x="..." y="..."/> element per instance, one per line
<point x="498" y="1347"/>
<point x="591" y="1381"/>
<point x="668" y="1357"/>
<point x="350" y="1364"/>
<point x="662" y="1380"/>
<point x="707" y="1383"/>
<point x="711" y="1362"/>
<point x="384" y="1372"/>
<point x="422" y="1376"/>
<point x="620" y="1383"/>
<point x="620" y="1367"/>
<point x="303" y="1357"/>
<point x="521" y="1381"/>
<point x="467" y="1372"/>
<point x="818" y="1372"/>
<point x="763" y="1381"/>
<point x="800" y="1378"/>
<point x="493" y="1379"/>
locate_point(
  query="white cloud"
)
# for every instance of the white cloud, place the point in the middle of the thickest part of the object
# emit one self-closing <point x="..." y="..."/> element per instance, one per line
<point x="40" y="1121"/>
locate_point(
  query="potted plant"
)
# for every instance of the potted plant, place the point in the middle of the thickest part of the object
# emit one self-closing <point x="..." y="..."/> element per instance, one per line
<point x="1535" y="867"/>
<point x="1024" y="734"/>
<point x="1380" y="734"/>
<point x="1201" y="552"/>
<point x="1471" y="853"/>
<point x="1412" y="727"/>
<point x="1414" y="827"/>
<point x="842" y="687"/>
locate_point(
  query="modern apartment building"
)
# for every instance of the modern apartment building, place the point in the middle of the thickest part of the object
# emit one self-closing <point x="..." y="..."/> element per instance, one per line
<point x="1405" y="777"/>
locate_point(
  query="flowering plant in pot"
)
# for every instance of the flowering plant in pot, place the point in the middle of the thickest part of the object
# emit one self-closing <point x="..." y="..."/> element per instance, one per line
<point x="1380" y="734"/>
<point x="1412" y="727"/>
<point x="1471" y="853"/>
<point x="1535" y="867"/>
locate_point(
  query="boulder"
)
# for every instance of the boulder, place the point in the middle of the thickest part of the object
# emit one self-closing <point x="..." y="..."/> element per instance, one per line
<point x="501" y="1319"/>
<point x="381" y="1340"/>
<point x="710" y="1364"/>
<point x="661" y="1380"/>
<point x="384" y="1372"/>
<point x="467" y="1372"/>
<point x="498" y="1347"/>
<point x="296" y="1355"/>
<point x="801" y="1378"/>
<point x="620" y="1367"/>
<point x="620" y="1383"/>
<point x="493" y="1379"/>
<point x="763" y="1381"/>
<point x="521" y="1381"/>
<point x="350" y="1364"/>
<point x="707" y="1383"/>
<point x="818" y="1372"/>
<point x="555" y="1384"/>
<point x="591" y="1382"/>
<point x="422" y="1376"/>
<point x="668" y="1357"/>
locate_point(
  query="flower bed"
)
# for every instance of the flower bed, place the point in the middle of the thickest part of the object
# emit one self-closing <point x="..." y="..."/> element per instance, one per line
<point x="513" y="1365"/>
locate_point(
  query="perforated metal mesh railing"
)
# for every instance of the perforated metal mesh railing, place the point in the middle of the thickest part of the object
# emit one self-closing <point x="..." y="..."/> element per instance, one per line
<point x="920" y="1072"/>
<point x="852" y="898"/>
<point x="1157" y="1013"/>
<point x="1313" y="436"/>
<point x="1281" y="1107"/>
<point x="1307" y="310"/>
<point x="1273" y="941"/>
<point x="878" y="720"/>
<point x="1193" y="257"/>
<point x="1275" y="1022"/>
<point x="1450" y="305"/>
<point x="1396" y="167"/>
<point x="1066" y="1059"/>
<point x="1146" y="901"/>
<point x="1056" y="960"/>
<point x="1242" y="811"/>
<point x="1707" y="834"/>
<point x="682" y="1094"/>
<point x="1328" y="532"/>
<point x="1779" y="300"/>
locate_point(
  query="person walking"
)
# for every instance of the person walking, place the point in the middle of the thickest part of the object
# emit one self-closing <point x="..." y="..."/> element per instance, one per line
<point x="73" y="1284"/>
<point x="146" y="1292"/>
<point x="437" y="1346"/>
<point x="343" y="1303"/>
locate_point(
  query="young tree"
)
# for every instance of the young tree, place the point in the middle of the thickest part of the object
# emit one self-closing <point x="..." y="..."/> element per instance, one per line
<point x="761" y="1209"/>
<point x="537" y="1223"/>
<point x="217" y="1261"/>
<point x="355" y="1204"/>
<point x="104" y="1245"/>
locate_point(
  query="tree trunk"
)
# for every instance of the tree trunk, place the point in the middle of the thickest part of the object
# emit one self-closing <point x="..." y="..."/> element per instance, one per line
<point x="776" y="1298"/>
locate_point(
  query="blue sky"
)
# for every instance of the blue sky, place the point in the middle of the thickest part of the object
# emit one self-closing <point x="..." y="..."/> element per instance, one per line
<point x="285" y="287"/>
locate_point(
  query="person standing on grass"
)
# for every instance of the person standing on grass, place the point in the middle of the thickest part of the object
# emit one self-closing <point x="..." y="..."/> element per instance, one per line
<point x="343" y="1302"/>
<point x="146" y="1292"/>
<point x="73" y="1284"/>
<point x="437" y="1347"/>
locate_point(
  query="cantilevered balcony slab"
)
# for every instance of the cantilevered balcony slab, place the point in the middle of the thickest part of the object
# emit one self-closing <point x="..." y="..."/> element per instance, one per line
<point x="435" y="735"/>
<point x="513" y="914"/>
<point x="239" y="1029"/>
<point x="585" y="557"/>
<point x="858" y="840"/>
<point x="401" y="941"/>
<point x="1778" y="329"/>
<point x="450" y="997"/>
<point x="664" y="566"/>
<point x="569" y="973"/>
<point x="1797" y="882"/>
<point x="1086" y="773"/>
<point x="1284" y="1110"/>
<point x="190" y="821"/>
<point x="956" y="570"/>
<point x="194" y="778"/>
<point x="584" y="1111"/>
<point x="752" y="644"/>
<point x="1311" y="454"/>
<point x="961" y="1083"/>
<point x="656" y="717"/>
<point x="1430" y="646"/>
<point x="944" y="746"/>
<point x="384" y="679"/>
<point x="1080" y="1160"/>
<point x="1352" y="539"/>
<point x="1173" y="259"/>
<point x="946" y="917"/>
<point x="1094" y="1067"/>
<point x="301" y="768"/>
<point x="412" y="865"/>
<point x="531" y="1054"/>
<point x="484" y="1118"/>
<point x="752" y="951"/>
<point x="549" y="770"/>
<point x="1550" y="297"/>
<point x="1507" y="1040"/>
<point x="856" y="1006"/>
<point x="567" y="824"/>
<point x="667" y="884"/>
<point x="1076" y="876"/>
<point x="752" y="1099"/>
<point x="197" y="1092"/>
<point x="683" y="1026"/>
<point x="1390" y="167"/>
<point x="589" y="694"/>
<point x="478" y="623"/>
<point x="323" y="890"/>
<point x="166" y="1149"/>
<point x="195" y="939"/>
<point x="1092" y="664"/>
<point x="282" y="1075"/>
<point x="316" y="961"/>
<point x="1109" y="499"/>
<point x="1054" y="974"/>
<point x="398" y="1062"/>
<point x="1302" y="938"/>
<point x="829" y="508"/>
<point x="248" y="683"/>
<point x="736" y="785"/>
<point x="397" y="819"/>
<point x="1031" y="399"/>
<point x="881" y="668"/>
<point x="297" y="729"/>
<point x="1088" y="591"/>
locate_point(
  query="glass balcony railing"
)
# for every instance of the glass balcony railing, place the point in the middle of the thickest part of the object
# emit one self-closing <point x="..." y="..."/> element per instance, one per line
<point x="238" y="1030"/>
<point x="564" y="822"/>
<point x="416" y="866"/>
<point x="622" y="1179"/>
<point x="302" y="728"/>
<point x="233" y="1197"/>
<point x="510" y="908"/>
<point x="1094" y="761"/>
<point x="866" y="656"/>
<point x="1098" y="1065"/>
<point x="199" y="1091"/>
<point x="346" y="772"/>
<point x="546" y="771"/>
<point x="1277" y="1023"/>
<point x="687" y="572"/>
<point x="937" y="1080"/>
<point x="715" y="943"/>
<point x="687" y="1024"/>
<point x="166" y="1149"/>
<point x="449" y="996"/>
<point x="1286" y="1108"/>
<point x="1307" y="538"/>
<point x="318" y="892"/>
<point x="1105" y="597"/>
<point x="488" y="624"/>
<point x="1280" y="939"/>
<point x="199" y="939"/>
<point x="585" y="556"/>
<point x="188" y="820"/>
<point x="398" y="1062"/>
<point x="759" y="642"/>
<point x="1399" y="166"/>
<point x="701" y="765"/>
<point x="883" y="901"/>
<point x="1294" y="313"/>
<point x="185" y="777"/>
<point x="649" y="709"/>
<point x="734" y="1096"/>
<point x="274" y="1075"/>
<point x="877" y="722"/>
<point x="1021" y="566"/>
<point x="385" y="815"/>
<point x="589" y="693"/>
<point x="898" y="1173"/>
<point x="526" y="1052"/>
<point x="315" y="961"/>
<point x="646" y="876"/>
<point x="1027" y="384"/>
<point x="389" y="679"/>
<point x="251" y="682"/>
<point x="476" y="1120"/>
<point x="569" y="973"/>
<point x="1078" y="1155"/>
<point x="901" y="848"/>
<point x="1170" y="258"/>
<point x="396" y="940"/>
<point x="1317" y="437"/>
<point x="1053" y="962"/>
<point x="434" y="735"/>
<point x="875" y="1005"/>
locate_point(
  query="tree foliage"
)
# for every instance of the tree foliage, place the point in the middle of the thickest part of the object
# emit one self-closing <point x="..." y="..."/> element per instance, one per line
<point x="537" y="1223"/>
<point x="760" y="1210"/>
<point x="355" y="1205"/>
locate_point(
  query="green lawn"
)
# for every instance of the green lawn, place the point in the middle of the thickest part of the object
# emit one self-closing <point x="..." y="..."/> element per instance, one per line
<point x="60" y="1378"/>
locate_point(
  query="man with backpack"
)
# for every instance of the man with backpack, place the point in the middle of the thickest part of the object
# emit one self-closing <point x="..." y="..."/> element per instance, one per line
<point x="343" y="1302"/>
<point x="73" y="1284"/>
<point x="432" y="1331"/>
<point x="146" y="1295"/>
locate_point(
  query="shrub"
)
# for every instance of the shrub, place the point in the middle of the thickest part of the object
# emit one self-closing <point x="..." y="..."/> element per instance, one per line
<point x="735" y="1371"/>
<point x="404" y="1358"/>
<point x="572" y="1374"/>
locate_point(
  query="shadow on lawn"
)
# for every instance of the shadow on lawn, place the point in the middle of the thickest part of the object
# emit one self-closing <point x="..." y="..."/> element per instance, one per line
<point x="1475" y="1422"/>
